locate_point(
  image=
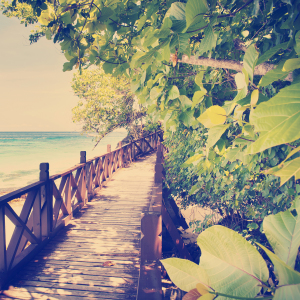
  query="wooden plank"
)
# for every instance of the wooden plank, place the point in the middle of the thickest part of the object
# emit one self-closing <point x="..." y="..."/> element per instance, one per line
<point x="75" y="262"/>
<point x="57" y="271"/>
<point x="3" y="265"/>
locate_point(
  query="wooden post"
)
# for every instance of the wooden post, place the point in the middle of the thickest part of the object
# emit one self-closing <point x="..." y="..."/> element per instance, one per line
<point x="36" y="213"/>
<point x="82" y="157"/>
<point x="47" y="220"/>
<point x="84" y="180"/>
<point x="121" y="155"/>
<point x="108" y="161"/>
<point x="3" y="266"/>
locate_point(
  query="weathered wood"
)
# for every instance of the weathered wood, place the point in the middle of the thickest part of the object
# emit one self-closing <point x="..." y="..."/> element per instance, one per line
<point x="184" y="253"/>
<point x="103" y="251"/>
<point x="40" y="218"/>
<point x="3" y="262"/>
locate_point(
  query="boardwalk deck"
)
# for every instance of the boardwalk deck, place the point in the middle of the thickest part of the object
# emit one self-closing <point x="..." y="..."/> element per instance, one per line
<point x="97" y="255"/>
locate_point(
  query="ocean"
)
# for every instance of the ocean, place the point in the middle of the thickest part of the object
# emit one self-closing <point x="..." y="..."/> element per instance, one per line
<point x="22" y="152"/>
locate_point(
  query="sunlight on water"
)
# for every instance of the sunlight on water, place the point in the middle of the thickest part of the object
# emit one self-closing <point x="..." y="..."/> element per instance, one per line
<point x="22" y="152"/>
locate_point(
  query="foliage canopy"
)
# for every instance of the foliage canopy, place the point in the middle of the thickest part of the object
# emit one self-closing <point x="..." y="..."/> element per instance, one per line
<point x="106" y="103"/>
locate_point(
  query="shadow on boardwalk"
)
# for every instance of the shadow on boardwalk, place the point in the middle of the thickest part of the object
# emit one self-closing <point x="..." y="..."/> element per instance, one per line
<point x="97" y="255"/>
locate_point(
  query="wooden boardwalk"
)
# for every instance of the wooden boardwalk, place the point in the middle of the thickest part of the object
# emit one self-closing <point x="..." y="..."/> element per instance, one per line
<point x="97" y="255"/>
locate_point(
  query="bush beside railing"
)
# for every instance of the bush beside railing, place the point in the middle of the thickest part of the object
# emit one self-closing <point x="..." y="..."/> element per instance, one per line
<point x="50" y="204"/>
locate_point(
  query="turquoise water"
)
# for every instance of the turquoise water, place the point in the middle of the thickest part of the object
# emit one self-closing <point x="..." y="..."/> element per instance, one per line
<point x="22" y="152"/>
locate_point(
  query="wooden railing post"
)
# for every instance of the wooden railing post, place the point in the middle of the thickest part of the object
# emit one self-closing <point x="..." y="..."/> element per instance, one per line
<point x="108" y="161"/>
<point x="82" y="157"/>
<point x="3" y="263"/>
<point x="84" y="181"/>
<point x="121" y="157"/>
<point x="47" y="218"/>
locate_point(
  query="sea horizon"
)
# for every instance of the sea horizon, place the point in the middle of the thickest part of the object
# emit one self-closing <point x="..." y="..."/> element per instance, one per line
<point x="21" y="153"/>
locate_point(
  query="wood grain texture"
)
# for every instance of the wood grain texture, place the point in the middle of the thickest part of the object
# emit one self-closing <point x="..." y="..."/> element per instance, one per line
<point x="97" y="255"/>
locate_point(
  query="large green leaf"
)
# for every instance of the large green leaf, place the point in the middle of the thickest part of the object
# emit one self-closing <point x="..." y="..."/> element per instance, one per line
<point x="187" y="117"/>
<point x="209" y="42"/>
<point x="198" y="97"/>
<point x="289" y="279"/>
<point x="268" y="54"/>
<point x="274" y="75"/>
<point x="176" y="13"/>
<point x="250" y="59"/>
<point x="277" y="120"/>
<point x="283" y="233"/>
<point x="215" y="133"/>
<point x="195" y="9"/>
<point x="291" y="65"/>
<point x="233" y="265"/>
<point x="184" y="273"/>
<point x="286" y="170"/>
<point x="180" y="41"/>
<point x="214" y="115"/>
<point x="174" y="92"/>
<point x="297" y="46"/>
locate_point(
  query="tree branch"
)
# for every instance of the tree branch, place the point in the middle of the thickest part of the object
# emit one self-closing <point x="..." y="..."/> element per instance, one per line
<point x="261" y="69"/>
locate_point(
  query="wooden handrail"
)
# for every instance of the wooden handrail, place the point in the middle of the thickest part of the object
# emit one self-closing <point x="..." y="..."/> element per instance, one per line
<point x="48" y="207"/>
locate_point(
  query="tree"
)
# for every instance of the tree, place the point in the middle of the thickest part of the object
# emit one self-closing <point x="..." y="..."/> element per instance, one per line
<point x="226" y="69"/>
<point x="226" y="72"/>
<point x="138" y="37"/>
<point x="106" y="103"/>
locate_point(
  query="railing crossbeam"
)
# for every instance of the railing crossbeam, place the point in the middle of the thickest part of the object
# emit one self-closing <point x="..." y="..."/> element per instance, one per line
<point x="47" y="206"/>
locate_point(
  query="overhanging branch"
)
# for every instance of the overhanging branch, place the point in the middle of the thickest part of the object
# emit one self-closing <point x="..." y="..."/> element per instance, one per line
<point x="261" y="69"/>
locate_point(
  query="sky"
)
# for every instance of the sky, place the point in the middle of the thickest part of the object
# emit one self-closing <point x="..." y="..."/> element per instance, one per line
<point x="35" y="94"/>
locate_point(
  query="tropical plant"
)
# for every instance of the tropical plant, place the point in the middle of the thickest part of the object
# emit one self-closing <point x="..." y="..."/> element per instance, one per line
<point x="238" y="192"/>
<point x="232" y="268"/>
<point x="247" y="51"/>
<point x="106" y="103"/>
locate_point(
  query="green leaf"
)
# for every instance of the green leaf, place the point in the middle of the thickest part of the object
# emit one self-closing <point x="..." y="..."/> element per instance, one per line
<point x="176" y="13"/>
<point x="185" y="102"/>
<point x="254" y="97"/>
<point x="199" y="78"/>
<point x="268" y="54"/>
<point x="193" y="159"/>
<point x="289" y="279"/>
<point x="195" y="9"/>
<point x="166" y="52"/>
<point x="108" y="67"/>
<point x="187" y="117"/>
<point x="184" y="273"/>
<point x="290" y="292"/>
<point x="286" y="170"/>
<point x="241" y="84"/>
<point x="283" y="233"/>
<point x="67" y="66"/>
<point x="277" y="120"/>
<point x="233" y="265"/>
<point x="155" y="92"/>
<point x="174" y="93"/>
<point x="250" y="59"/>
<point x="198" y="97"/>
<point x="297" y="45"/>
<point x="214" y="134"/>
<point x="180" y="41"/>
<point x="214" y="115"/>
<point x="209" y="42"/>
<point x="273" y="75"/>
<point x="292" y="153"/>
<point x="66" y="18"/>
<point x="141" y="22"/>
<point x="291" y="65"/>
<point x="106" y="12"/>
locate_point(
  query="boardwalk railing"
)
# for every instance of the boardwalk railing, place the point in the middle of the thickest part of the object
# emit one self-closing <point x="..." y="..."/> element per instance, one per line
<point x="51" y="202"/>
